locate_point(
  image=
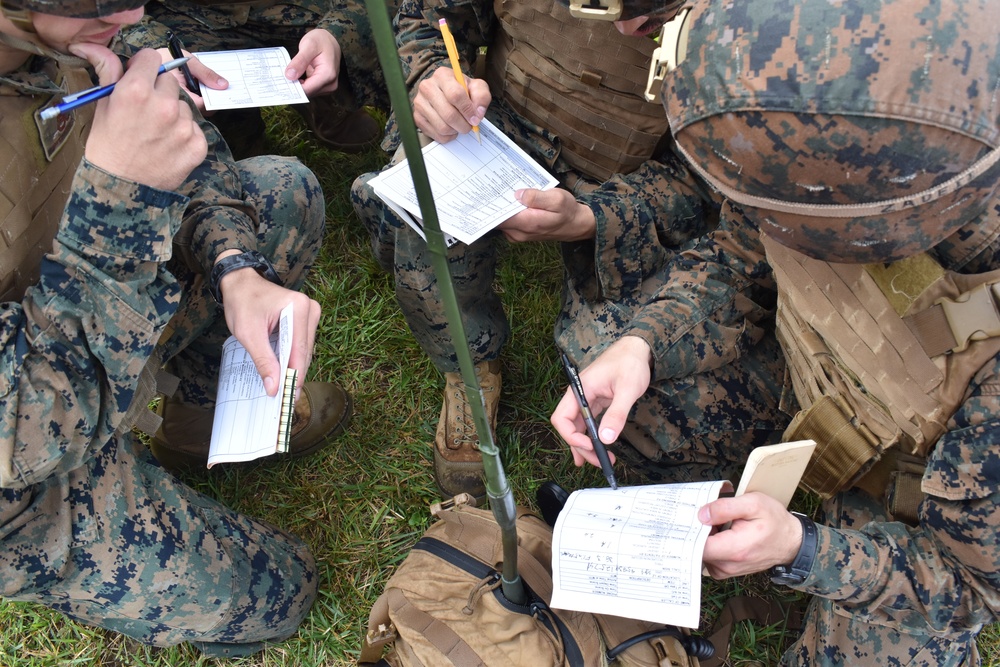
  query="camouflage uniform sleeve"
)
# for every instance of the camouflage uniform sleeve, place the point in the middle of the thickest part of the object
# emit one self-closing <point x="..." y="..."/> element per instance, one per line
<point x="712" y="302"/>
<point x="642" y="219"/>
<point x="347" y="21"/>
<point x="421" y="49"/>
<point x="69" y="369"/>
<point x="944" y="571"/>
<point x="220" y="215"/>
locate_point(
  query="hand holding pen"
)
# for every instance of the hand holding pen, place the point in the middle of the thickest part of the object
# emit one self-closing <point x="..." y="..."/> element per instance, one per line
<point x="144" y="131"/>
<point x="456" y="65"/>
<point x="76" y="100"/>
<point x="447" y="104"/>
<point x="599" y="449"/>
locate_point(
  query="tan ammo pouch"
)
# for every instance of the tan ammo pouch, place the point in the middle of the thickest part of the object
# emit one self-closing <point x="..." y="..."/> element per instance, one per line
<point x="860" y="371"/>
<point x="843" y="451"/>
<point x="582" y="80"/>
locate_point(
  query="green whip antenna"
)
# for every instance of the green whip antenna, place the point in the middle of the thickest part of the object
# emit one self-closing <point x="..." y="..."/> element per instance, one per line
<point x="497" y="489"/>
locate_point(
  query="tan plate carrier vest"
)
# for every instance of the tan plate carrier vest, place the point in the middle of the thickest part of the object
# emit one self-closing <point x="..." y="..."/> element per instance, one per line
<point x="880" y="357"/>
<point x="33" y="189"/>
<point x="33" y="194"/>
<point x="583" y="80"/>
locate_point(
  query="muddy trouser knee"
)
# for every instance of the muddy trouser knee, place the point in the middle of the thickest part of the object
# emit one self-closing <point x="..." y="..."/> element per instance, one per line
<point x="292" y="216"/>
<point x="835" y="635"/>
<point x="402" y="251"/>
<point x="121" y="544"/>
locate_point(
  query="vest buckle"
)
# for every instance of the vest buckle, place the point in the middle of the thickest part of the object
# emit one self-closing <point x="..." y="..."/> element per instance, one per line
<point x="973" y="315"/>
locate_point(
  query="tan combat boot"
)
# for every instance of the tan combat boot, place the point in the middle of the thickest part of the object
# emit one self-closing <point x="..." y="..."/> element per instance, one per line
<point x="458" y="464"/>
<point x="322" y="413"/>
<point x="339" y="127"/>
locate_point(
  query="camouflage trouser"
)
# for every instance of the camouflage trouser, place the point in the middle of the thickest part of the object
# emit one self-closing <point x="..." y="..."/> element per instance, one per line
<point x="402" y="252"/>
<point x="834" y="635"/>
<point x="153" y="559"/>
<point x="253" y="25"/>
<point x="292" y="215"/>
<point x="700" y="427"/>
<point x="122" y="544"/>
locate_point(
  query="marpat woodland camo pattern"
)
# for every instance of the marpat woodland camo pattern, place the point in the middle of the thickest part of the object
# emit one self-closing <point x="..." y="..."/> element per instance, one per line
<point x="90" y="525"/>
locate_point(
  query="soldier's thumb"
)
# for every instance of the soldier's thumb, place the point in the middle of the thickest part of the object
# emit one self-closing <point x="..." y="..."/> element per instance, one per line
<point x="612" y="421"/>
<point x="107" y="65"/>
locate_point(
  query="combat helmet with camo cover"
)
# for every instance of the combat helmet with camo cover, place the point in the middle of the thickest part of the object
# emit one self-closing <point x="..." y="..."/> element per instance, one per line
<point x="858" y="135"/>
<point x="79" y="9"/>
<point x="807" y="116"/>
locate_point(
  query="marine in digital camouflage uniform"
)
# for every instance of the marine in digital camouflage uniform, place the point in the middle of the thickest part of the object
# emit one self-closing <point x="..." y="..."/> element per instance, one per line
<point x="336" y="119"/>
<point x="644" y="202"/>
<point x="90" y="524"/>
<point x="848" y="141"/>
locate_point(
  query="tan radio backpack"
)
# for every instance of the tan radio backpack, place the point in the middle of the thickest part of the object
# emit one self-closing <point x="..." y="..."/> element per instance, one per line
<point x="443" y="606"/>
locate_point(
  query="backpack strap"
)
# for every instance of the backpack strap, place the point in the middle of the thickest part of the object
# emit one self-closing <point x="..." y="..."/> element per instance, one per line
<point x="380" y="632"/>
<point x="444" y="639"/>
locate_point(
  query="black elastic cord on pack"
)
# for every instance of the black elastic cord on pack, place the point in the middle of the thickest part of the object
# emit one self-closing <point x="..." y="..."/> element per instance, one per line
<point x="696" y="647"/>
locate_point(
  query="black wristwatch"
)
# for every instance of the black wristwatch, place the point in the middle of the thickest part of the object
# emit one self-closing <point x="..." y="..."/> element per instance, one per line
<point x="247" y="260"/>
<point x="795" y="573"/>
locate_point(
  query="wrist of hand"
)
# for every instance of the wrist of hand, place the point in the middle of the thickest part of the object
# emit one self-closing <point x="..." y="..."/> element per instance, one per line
<point x="584" y="223"/>
<point x="638" y="347"/>
<point x="796" y="570"/>
<point x="232" y="261"/>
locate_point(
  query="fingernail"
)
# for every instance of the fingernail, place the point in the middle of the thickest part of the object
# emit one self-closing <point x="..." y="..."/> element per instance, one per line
<point x="705" y="515"/>
<point x="269" y="384"/>
<point x="607" y="436"/>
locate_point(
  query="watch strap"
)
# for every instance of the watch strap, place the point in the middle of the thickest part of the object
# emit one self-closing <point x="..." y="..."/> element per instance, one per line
<point x="795" y="573"/>
<point x="250" y="259"/>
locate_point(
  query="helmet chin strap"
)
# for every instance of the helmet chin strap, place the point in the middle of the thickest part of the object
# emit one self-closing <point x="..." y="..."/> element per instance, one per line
<point x="21" y="18"/>
<point x="36" y="47"/>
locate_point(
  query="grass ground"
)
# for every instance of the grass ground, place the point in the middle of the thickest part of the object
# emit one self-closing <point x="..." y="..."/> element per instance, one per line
<point x="363" y="502"/>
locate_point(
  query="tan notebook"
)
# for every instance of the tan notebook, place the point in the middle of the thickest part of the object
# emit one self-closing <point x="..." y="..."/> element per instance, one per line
<point x="776" y="469"/>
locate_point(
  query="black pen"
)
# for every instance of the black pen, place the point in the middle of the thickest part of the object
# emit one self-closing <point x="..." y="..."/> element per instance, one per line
<point x="75" y="100"/>
<point x="588" y="419"/>
<point x="174" y="46"/>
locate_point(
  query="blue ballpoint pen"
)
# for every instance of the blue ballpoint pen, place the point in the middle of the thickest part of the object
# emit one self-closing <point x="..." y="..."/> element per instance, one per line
<point x="75" y="100"/>
<point x="588" y="419"/>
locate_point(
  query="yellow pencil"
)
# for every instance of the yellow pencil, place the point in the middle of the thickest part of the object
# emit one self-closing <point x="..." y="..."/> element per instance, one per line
<point x="449" y="42"/>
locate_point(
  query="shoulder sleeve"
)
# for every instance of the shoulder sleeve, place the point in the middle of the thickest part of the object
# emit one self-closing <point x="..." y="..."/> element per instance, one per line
<point x="73" y="348"/>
